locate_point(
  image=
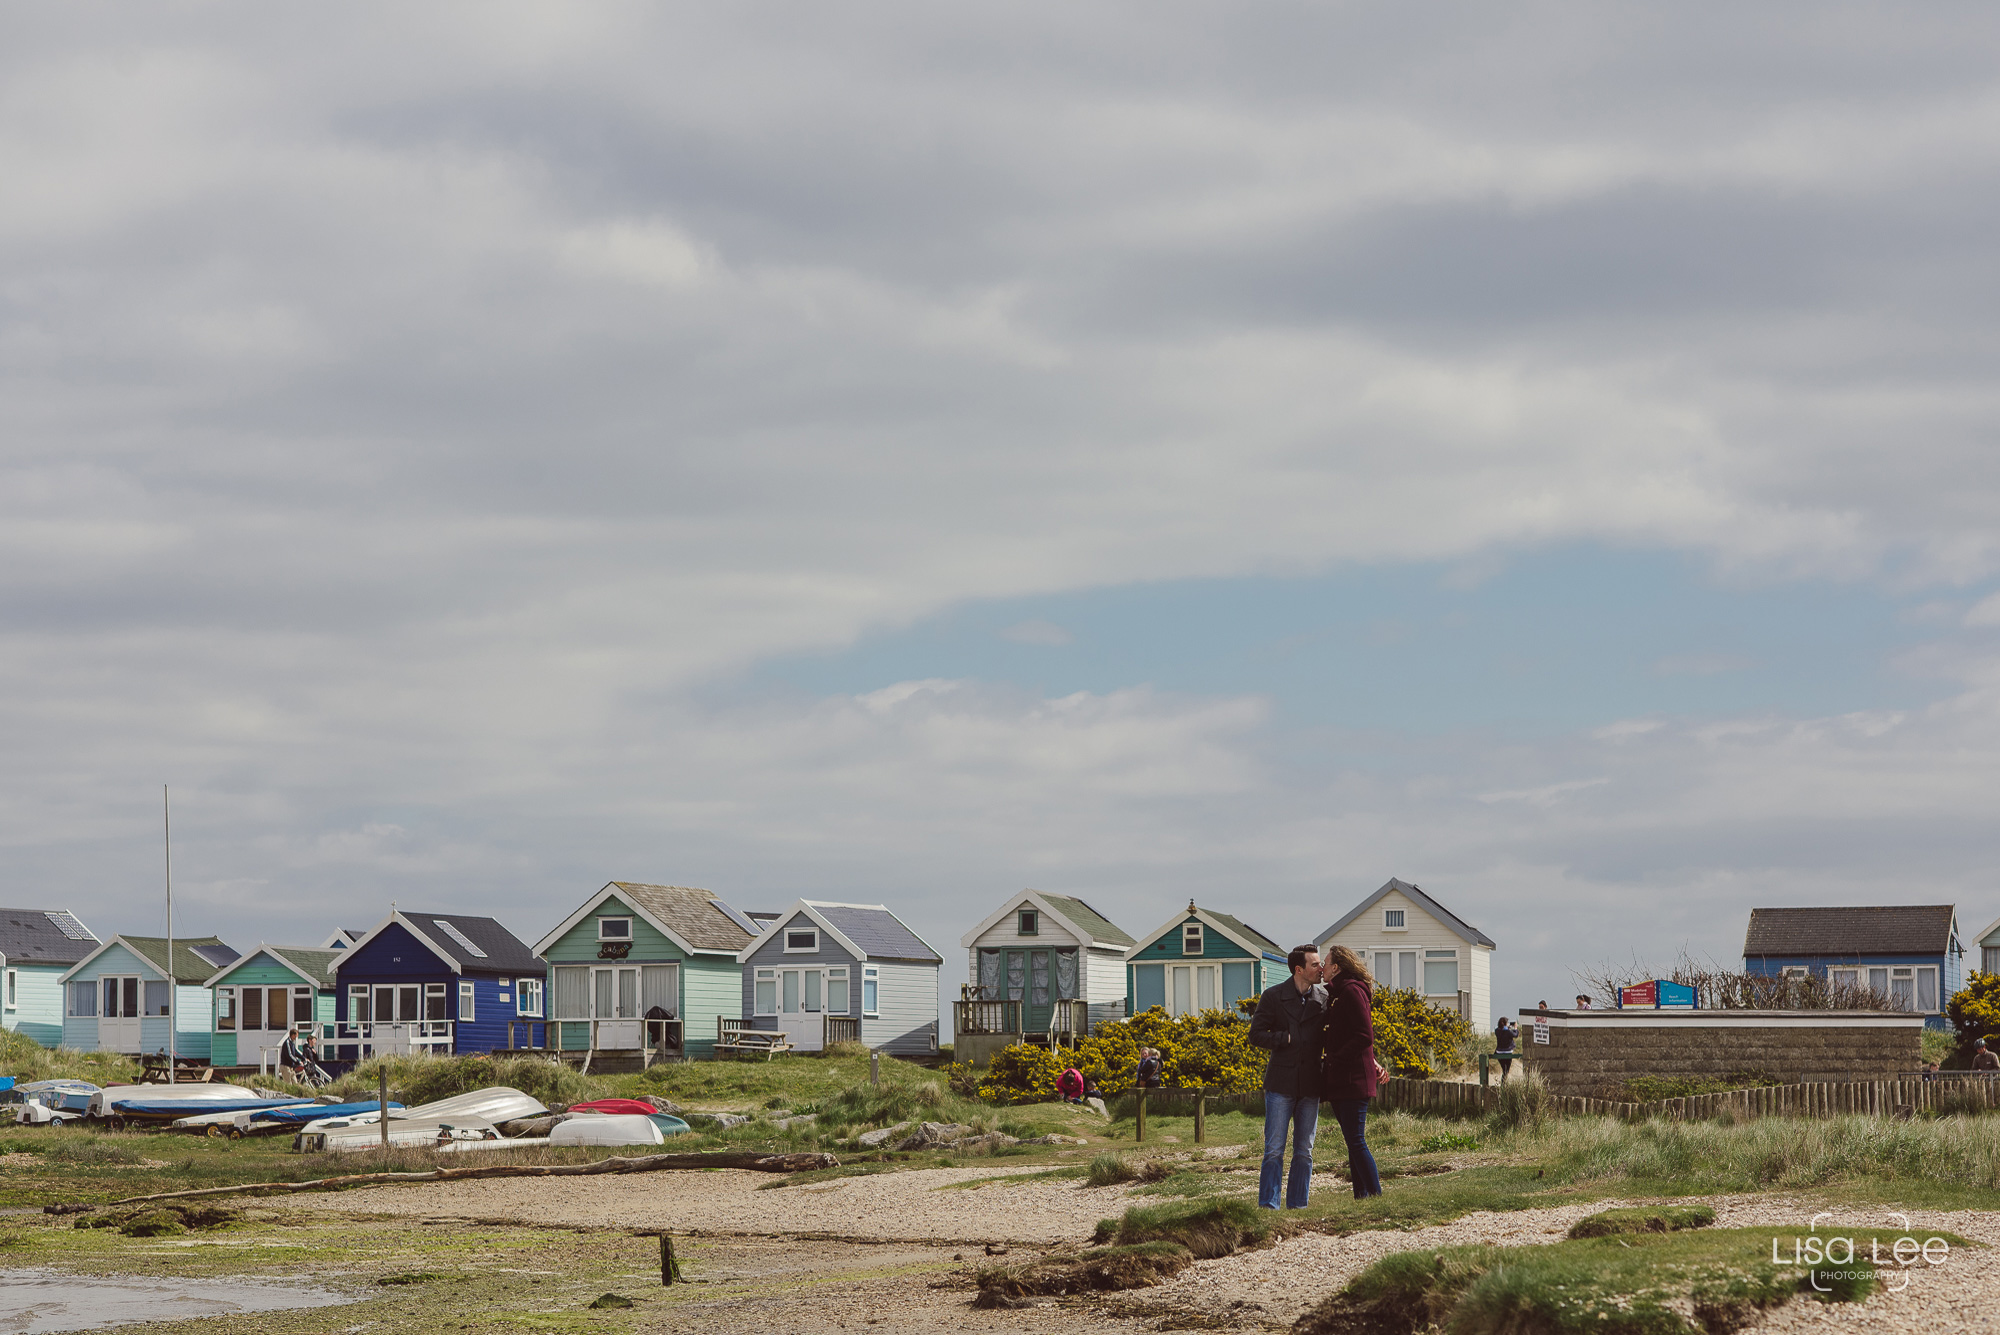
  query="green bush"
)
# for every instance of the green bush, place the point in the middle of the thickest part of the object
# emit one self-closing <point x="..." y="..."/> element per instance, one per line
<point x="1974" y="1012"/>
<point x="1415" y="1038"/>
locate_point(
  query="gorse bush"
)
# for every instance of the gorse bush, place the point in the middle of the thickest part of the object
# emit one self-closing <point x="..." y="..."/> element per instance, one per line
<point x="1974" y="1012"/>
<point x="1212" y="1050"/>
<point x="1415" y="1038"/>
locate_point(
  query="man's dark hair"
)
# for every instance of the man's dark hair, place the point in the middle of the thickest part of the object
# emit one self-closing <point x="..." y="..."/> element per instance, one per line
<point x="1298" y="955"/>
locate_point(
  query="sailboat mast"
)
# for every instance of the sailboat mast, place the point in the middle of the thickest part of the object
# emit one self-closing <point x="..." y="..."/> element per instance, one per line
<point x="167" y="824"/>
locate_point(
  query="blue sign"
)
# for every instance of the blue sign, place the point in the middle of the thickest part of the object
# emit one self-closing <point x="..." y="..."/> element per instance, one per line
<point x="1674" y="995"/>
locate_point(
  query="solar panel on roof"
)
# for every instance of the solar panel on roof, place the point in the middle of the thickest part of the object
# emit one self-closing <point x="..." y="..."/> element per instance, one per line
<point x="459" y="937"/>
<point x="66" y="923"/>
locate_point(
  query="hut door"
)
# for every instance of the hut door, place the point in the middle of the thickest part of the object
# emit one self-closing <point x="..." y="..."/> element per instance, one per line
<point x="802" y="1007"/>
<point x="1035" y="1009"/>
<point x="118" y="1021"/>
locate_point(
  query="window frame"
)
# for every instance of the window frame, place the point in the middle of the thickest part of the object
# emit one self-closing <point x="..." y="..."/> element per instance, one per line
<point x="871" y="985"/>
<point x="468" y="1001"/>
<point x="359" y="998"/>
<point x="523" y="988"/>
<point x="1395" y="920"/>
<point x="837" y="974"/>
<point x="1027" y="922"/>
<point x="762" y="979"/>
<point x="225" y="1010"/>
<point x="604" y="922"/>
<point x="12" y="996"/>
<point x="1192" y="933"/>
<point x="789" y="932"/>
<point x="82" y="987"/>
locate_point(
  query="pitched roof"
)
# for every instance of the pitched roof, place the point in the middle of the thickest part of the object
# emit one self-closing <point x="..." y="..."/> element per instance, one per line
<point x="315" y="964"/>
<point x="1464" y="930"/>
<point x="503" y="951"/>
<point x="36" y="936"/>
<point x="696" y="916"/>
<point x="1089" y="919"/>
<point x="879" y="933"/>
<point x="1238" y="925"/>
<point x="1890" y="929"/>
<point x="196" y="958"/>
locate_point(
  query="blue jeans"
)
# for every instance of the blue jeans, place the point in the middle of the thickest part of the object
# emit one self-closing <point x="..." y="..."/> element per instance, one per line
<point x="1352" y="1114"/>
<point x="1300" y="1116"/>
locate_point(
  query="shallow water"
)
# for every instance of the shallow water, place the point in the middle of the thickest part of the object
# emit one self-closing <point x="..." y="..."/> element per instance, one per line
<point x="33" y="1301"/>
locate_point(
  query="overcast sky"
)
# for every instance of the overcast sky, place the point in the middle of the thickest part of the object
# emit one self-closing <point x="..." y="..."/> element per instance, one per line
<point x="904" y="453"/>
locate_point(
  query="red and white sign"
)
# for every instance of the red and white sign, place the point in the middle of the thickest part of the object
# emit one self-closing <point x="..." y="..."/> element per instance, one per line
<point x="1645" y="995"/>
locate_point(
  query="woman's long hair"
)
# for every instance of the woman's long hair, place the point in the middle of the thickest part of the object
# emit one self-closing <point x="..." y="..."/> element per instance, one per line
<point x="1351" y="965"/>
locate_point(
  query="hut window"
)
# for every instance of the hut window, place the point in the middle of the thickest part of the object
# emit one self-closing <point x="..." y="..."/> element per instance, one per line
<point x="766" y="1002"/>
<point x="1441" y="973"/>
<point x="357" y="1003"/>
<point x="13" y="989"/>
<point x="572" y="993"/>
<point x="802" y="941"/>
<point x="302" y="1005"/>
<point x="1927" y="990"/>
<point x="870" y="989"/>
<point x="1392" y="919"/>
<point x="466" y="995"/>
<point x="527" y="996"/>
<point x="1191" y="938"/>
<point x="156" y="998"/>
<point x="1031" y="923"/>
<point x="614" y="929"/>
<point x="989" y="975"/>
<point x="225" y="1008"/>
<point x="434" y="1002"/>
<point x="83" y="999"/>
<point x="1066" y="975"/>
<point x="253" y="1008"/>
<point x="836" y="991"/>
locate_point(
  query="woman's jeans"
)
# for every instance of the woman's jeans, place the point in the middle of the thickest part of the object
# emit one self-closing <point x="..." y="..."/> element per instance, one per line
<point x="1300" y="1116"/>
<point x="1352" y="1114"/>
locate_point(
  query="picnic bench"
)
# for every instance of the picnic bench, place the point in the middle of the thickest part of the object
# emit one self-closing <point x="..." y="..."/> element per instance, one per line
<point x="734" y="1038"/>
<point x="154" y="1070"/>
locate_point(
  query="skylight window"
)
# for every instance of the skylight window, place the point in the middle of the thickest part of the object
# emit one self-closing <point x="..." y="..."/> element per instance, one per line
<point x="459" y="937"/>
<point x="66" y="923"/>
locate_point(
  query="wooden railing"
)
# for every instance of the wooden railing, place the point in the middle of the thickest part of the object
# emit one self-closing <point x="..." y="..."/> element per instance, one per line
<point x="1070" y="1022"/>
<point x="842" y="1029"/>
<point x="986" y="1017"/>
<point x="659" y="1035"/>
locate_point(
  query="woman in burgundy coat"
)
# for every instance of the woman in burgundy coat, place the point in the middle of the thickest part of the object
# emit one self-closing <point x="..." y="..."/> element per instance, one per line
<point x="1348" y="1069"/>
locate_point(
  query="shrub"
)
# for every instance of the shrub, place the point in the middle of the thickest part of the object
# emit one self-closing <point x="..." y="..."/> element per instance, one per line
<point x="1447" y="1140"/>
<point x="1415" y="1038"/>
<point x="1021" y="1074"/>
<point x="1208" y="1228"/>
<point x="1648" y="1088"/>
<point x="1974" y="1011"/>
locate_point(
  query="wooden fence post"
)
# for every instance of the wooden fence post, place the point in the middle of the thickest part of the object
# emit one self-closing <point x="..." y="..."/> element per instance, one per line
<point x="1142" y="1116"/>
<point x="1201" y="1118"/>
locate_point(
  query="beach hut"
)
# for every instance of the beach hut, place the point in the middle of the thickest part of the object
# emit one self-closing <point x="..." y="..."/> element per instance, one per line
<point x="639" y="972"/>
<point x="116" y="997"/>
<point x="1409" y="940"/>
<point x="1201" y="960"/>
<point x="258" y="998"/>
<point x="823" y="973"/>
<point x="1045" y="969"/>
<point x="37" y="946"/>
<point x="441" y="983"/>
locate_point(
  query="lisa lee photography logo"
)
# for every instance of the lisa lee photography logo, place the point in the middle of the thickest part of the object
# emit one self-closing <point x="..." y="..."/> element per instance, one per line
<point x="1837" y="1257"/>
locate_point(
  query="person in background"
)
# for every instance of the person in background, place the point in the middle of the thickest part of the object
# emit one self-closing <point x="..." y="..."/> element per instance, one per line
<point x="1349" y="1072"/>
<point x="1982" y="1059"/>
<point x="291" y="1061"/>
<point x="1582" y="1002"/>
<point x="1070" y="1085"/>
<point x="1149" y="1068"/>
<point x="1504" y="1035"/>
<point x="1930" y="1071"/>
<point x="1286" y="1023"/>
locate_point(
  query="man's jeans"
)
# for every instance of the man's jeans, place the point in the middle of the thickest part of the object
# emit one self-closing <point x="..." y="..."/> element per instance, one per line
<point x="1300" y="1116"/>
<point x="1352" y="1114"/>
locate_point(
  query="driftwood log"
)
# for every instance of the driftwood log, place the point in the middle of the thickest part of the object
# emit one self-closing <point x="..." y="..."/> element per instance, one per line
<point x="647" y="1163"/>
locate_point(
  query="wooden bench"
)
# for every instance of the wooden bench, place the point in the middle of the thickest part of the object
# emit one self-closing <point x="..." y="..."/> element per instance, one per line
<point x="749" y="1042"/>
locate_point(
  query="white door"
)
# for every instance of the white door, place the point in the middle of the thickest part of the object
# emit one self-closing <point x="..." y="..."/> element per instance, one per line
<point x="118" y="1013"/>
<point x="1192" y="987"/>
<point x="618" y="1022"/>
<point x="802" y="1007"/>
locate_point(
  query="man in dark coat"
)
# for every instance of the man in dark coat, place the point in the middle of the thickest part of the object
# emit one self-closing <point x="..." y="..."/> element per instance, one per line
<point x="1287" y="1022"/>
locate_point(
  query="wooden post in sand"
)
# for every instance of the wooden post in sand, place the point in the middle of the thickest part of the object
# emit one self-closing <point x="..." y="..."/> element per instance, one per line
<point x="1142" y="1114"/>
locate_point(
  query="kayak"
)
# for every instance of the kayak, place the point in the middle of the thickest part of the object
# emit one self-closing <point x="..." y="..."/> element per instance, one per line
<point x="617" y="1107"/>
